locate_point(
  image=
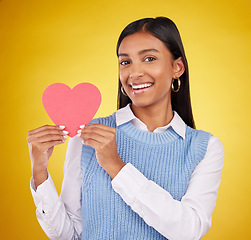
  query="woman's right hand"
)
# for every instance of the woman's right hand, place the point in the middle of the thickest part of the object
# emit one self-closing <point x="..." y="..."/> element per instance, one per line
<point x="41" y="142"/>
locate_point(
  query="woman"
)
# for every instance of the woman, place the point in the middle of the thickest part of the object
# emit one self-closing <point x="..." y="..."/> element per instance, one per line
<point x="144" y="172"/>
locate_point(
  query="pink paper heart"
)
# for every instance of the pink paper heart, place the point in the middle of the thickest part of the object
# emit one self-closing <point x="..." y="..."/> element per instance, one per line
<point x="71" y="107"/>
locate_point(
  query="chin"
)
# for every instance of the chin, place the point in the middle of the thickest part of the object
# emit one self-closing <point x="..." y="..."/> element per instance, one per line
<point x="141" y="104"/>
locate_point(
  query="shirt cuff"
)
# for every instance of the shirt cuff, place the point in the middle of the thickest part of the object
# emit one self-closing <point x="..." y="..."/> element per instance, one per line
<point x="128" y="183"/>
<point x="45" y="196"/>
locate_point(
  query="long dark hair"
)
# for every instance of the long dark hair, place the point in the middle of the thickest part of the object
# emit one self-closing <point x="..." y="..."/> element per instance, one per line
<point x="165" y="30"/>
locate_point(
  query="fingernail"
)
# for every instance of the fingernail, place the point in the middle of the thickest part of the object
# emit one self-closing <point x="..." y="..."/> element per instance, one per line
<point x="65" y="137"/>
<point x="83" y="142"/>
<point x="65" y="132"/>
<point x="82" y="126"/>
<point x="63" y="140"/>
<point x="61" y="127"/>
<point x="79" y="134"/>
<point x="79" y="131"/>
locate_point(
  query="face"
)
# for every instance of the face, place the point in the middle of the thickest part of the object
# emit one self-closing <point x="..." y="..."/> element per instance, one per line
<point x="146" y="69"/>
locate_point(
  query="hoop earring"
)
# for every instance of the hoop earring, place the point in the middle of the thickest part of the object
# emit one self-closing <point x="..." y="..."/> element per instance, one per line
<point x="123" y="92"/>
<point x="179" y="83"/>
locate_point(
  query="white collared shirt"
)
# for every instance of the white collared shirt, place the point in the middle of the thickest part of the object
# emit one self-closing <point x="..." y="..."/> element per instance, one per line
<point x="190" y="218"/>
<point x="125" y="114"/>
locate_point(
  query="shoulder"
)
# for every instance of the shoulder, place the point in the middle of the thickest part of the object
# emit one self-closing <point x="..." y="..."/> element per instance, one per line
<point x="213" y="161"/>
<point x="203" y="143"/>
<point x="198" y="138"/>
<point x="213" y="142"/>
<point x="215" y="148"/>
<point x="191" y="132"/>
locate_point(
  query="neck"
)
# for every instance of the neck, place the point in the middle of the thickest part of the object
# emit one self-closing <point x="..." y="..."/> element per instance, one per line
<point x="154" y="116"/>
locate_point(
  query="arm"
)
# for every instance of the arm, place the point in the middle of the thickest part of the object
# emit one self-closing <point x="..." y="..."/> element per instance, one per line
<point x="189" y="218"/>
<point x="60" y="217"/>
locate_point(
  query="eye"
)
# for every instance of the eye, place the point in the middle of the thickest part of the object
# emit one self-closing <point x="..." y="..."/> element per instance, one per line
<point x="125" y="62"/>
<point x="149" y="59"/>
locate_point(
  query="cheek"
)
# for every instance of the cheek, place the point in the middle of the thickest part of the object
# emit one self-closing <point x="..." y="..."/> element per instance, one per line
<point x="162" y="74"/>
<point x="123" y="75"/>
<point x="167" y="71"/>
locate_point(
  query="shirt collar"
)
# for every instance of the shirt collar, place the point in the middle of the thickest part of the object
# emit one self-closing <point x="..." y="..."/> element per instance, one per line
<point x="125" y="115"/>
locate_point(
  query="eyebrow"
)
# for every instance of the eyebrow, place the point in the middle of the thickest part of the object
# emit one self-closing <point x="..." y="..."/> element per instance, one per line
<point x="140" y="52"/>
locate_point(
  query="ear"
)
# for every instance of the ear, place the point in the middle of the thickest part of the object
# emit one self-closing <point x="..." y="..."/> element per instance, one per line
<point x="179" y="67"/>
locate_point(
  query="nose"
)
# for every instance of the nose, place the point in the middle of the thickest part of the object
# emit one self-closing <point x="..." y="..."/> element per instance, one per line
<point x="136" y="71"/>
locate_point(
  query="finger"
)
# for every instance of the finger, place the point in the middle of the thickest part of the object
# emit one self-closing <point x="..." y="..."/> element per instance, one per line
<point x="93" y="127"/>
<point x="49" y="138"/>
<point x="99" y="129"/>
<point x="94" y="136"/>
<point x="46" y="131"/>
<point x="98" y="134"/>
<point x="44" y="128"/>
<point x="43" y="147"/>
<point x="50" y="144"/>
<point x="91" y="142"/>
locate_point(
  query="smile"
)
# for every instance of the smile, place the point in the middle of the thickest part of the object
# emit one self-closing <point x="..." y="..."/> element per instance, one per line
<point x="140" y="87"/>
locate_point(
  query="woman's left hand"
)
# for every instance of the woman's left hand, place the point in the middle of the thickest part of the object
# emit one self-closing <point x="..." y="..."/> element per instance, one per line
<point x="103" y="139"/>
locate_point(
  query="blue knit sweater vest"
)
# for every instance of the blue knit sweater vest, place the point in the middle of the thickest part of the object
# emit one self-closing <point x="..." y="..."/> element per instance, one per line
<point x="165" y="158"/>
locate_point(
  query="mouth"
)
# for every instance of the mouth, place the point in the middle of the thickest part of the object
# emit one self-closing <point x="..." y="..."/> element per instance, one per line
<point x="140" y="87"/>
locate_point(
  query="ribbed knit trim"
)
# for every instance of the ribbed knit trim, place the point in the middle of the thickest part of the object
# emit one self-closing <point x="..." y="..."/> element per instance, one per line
<point x="148" y="137"/>
<point x="156" y="138"/>
<point x="140" y="135"/>
<point x="201" y="142"/>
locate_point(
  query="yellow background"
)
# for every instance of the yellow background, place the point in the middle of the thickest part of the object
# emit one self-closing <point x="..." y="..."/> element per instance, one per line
<point x="43" y="42"/>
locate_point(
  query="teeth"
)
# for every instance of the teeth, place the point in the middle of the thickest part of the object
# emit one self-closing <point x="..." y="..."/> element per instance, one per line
<point x="140" y="86"/>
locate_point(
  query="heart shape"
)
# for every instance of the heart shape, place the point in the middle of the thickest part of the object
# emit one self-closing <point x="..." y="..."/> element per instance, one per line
<point x="71" y="107"/>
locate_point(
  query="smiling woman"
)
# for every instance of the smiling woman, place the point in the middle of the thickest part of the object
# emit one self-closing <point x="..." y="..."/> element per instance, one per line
<point x="147" y="69"/>
<point x="164" y="32"/>
<point x="143" y="172"/>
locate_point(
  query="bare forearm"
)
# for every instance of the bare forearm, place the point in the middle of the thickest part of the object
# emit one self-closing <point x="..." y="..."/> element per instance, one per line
<point x="113" y="169"/>
<point x="39" y="176"/>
